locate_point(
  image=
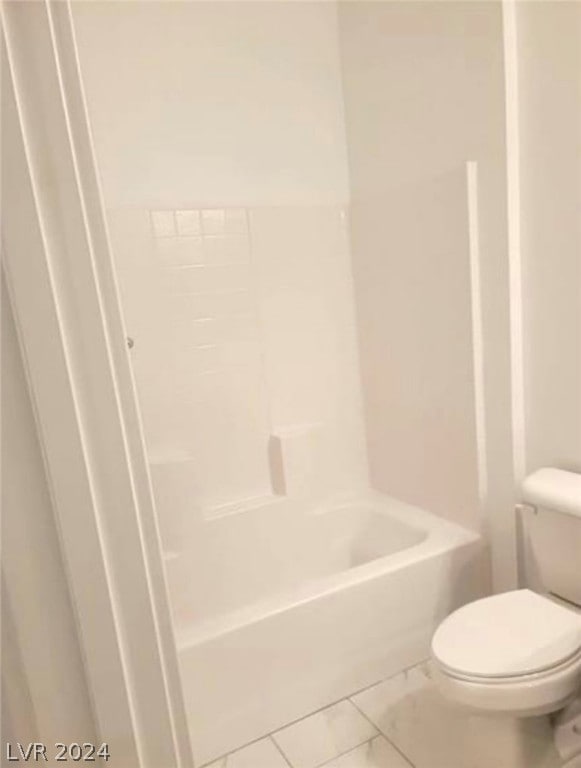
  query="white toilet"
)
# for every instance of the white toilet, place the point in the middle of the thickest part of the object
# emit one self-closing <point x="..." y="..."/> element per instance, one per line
<point x="518" y="654"/>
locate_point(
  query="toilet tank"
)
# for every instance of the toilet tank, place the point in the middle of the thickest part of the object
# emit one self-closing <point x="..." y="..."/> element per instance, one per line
<point x="554" y="531"/>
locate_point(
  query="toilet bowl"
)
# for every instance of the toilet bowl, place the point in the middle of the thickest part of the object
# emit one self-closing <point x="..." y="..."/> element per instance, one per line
<point x="517" y="653"/>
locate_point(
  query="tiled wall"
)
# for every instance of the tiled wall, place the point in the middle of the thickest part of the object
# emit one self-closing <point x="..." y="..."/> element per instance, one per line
<point x="305" y="289"/>
<point x="244" y="335"/>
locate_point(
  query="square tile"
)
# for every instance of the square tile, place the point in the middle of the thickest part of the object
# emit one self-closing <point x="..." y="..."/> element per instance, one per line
<point x="238" y="303"/>
<point x="180" y="251"/>
<point x="242" y="327"/>
<point x="203" y="330"/>
<point x="405" y="710"/>
<point x="225" y="279"/>
<point x="188" y="222"/>
<point x="206" y="358"/>
<point x="237" y="354"/>
<point x="235" y="221"/>
<point x="213" y="221"/>
<point x="383" y="701"/>
<point x="226" y="249"/>
<point x="324" y="735"/>
<point x="377" y="753"/>
<point x="186" y="307"/>
<point x="163" y="223"/>
<point x="430" y="731"/>
<point x="261" y="754"/>
<point x="202" y="279"/>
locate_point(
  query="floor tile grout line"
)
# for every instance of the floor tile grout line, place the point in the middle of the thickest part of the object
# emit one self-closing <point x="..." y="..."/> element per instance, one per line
<point x="315" y="712"/>
<point x="279" y="749"/>
<point x="382" y="733"/>
<point x="403" y="671"/>
<point x="378" y="735"/>
<point x="238" y="749"/>
<point x="271" y="734"/>
<point x="348" y="697"/>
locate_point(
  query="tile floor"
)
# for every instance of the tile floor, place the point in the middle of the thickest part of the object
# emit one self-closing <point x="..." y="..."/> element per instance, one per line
<point x="402" y="722"/>
<point x="353" y="733"/>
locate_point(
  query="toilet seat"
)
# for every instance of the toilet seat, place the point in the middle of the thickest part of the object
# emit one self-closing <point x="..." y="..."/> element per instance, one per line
<point x="573" y="661"/>
<point x="508" y="636"/>
<point x="516" y="652"/>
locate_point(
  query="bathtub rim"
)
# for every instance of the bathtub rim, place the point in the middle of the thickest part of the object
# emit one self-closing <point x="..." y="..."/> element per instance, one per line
<point x="441" y="535"/>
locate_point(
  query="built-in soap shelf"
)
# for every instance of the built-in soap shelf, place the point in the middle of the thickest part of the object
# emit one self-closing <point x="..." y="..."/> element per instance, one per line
<point x="296" y="456"/>
<point x="297" y="459"/>
<point x="173" y="476"/>
<point x="242" y="505"/>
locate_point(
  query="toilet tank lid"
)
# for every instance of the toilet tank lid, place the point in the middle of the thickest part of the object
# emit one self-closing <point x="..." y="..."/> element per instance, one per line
<point x="554" y="489"/>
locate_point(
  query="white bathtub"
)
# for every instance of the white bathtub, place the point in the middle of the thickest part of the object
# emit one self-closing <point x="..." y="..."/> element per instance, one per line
<point x="334" y="600"/>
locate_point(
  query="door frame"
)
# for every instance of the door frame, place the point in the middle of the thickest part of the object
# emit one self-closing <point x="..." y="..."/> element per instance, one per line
<point x="61" y="280"/>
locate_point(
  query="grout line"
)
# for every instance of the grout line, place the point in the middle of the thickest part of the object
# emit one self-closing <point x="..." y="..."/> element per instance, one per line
<point x="279" y="749"/>
<point x="271" y="734"/>
<point x="346" y="752"/>
<point x="382" y="733"/>
<point x="233" y="751"/>
<point x="338" y="701"/>
<point x="378" y="735"/>
<point x="309" y="714"/>
<point x="403" y="671"/>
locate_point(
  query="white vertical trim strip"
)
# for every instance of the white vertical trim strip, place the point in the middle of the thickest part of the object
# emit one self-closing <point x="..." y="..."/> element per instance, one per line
<point x="57" y="44"/>
<point x="90" y="251"/>
<point x="477" y="330"/>
<point x="72" y="336"/>
<point x="510" y="38"/>
<point x="45" y="239"/>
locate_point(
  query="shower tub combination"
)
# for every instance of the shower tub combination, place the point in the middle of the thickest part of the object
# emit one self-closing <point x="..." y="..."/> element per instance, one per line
<point x="334" y="599"/>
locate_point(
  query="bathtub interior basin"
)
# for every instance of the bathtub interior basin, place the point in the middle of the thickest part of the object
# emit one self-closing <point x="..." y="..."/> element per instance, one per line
<point x="274" y="548"/>
<point x="287" y="607"/>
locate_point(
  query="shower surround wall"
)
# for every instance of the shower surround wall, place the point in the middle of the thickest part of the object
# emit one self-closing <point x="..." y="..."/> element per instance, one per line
<point x="424" y="94"/>
<point x="226" y="185"/>
<point x="244" y="354"/>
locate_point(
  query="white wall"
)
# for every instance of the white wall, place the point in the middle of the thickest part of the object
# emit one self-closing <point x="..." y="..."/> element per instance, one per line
<point x="202" y="103"/>
<point x="37" y="604"/>
<point x="549" y="70"/>
<point x="424" y="93"/>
